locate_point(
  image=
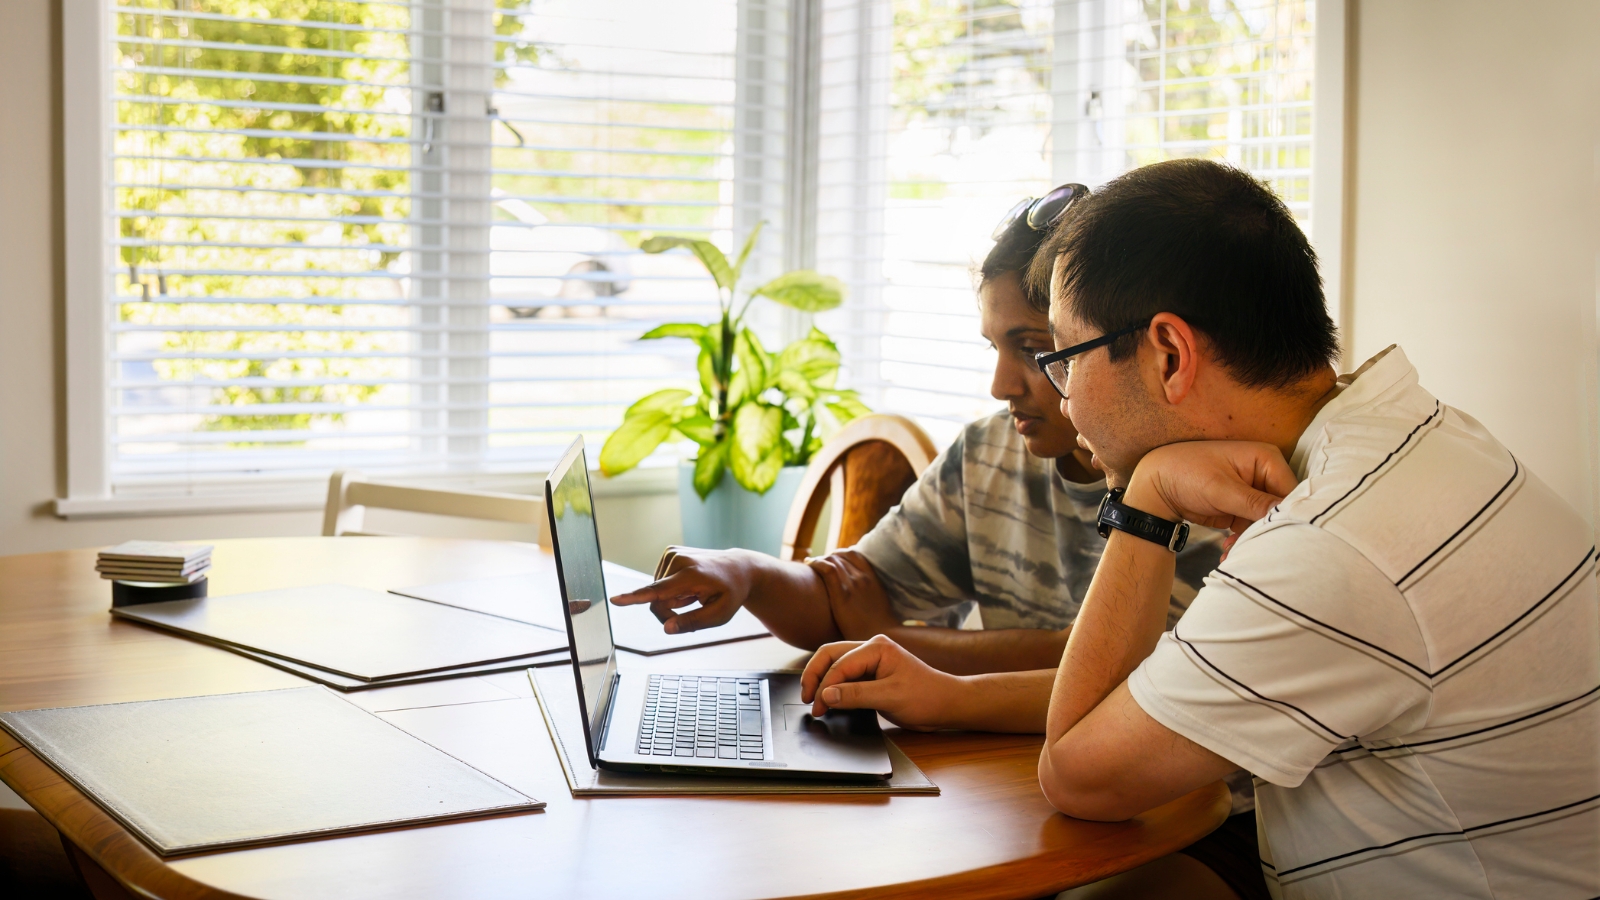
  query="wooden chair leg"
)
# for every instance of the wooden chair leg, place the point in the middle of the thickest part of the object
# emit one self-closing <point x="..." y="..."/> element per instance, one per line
<point x="100" y="884"/>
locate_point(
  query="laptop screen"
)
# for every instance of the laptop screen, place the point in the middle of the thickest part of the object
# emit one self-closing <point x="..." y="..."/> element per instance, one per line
<point x="583" y="587"/>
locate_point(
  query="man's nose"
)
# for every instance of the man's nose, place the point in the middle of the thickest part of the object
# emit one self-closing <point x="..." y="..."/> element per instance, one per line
<point x="1007" y="382"/>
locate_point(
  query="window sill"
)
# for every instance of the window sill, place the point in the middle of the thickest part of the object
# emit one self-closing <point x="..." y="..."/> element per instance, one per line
<point x="304" y="496"/>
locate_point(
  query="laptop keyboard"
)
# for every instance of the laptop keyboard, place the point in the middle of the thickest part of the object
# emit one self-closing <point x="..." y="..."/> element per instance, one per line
<point x="702" y="716"/>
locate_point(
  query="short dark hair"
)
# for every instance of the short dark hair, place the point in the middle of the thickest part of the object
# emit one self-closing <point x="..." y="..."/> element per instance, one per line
<point x="1015" y="252"/>
<point x="1207" y="242"/>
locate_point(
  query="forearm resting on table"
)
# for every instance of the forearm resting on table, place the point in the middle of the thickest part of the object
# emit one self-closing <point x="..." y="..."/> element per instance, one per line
<point x="1013" y="702"/>
<point x="860" y="608"/>
<point x="1104" y="757"/>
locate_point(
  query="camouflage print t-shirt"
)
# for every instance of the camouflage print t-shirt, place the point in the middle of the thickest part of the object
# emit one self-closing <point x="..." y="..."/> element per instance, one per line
<point x="991" y="527"/>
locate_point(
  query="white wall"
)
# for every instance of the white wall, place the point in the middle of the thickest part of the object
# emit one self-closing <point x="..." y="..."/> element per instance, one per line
<point x="1475" y="215"/>
<point x="1474" y="229"/>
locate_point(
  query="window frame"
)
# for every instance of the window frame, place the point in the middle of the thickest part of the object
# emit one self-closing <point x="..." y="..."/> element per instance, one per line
<point x="86" y="92"/>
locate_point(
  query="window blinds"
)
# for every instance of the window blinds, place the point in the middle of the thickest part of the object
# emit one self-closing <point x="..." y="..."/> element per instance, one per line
<point x="401" y="236"/>
<point x="938" y="115"/>
<point x="1137" y="83"/>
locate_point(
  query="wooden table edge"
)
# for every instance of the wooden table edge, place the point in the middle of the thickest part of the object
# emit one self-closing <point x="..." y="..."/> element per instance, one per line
<point x="1040" y="875"/>
<point x="104" y="841"/>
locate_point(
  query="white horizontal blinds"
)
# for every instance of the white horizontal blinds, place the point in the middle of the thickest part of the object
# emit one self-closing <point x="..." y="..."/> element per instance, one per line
<point x="629" y="121"/>
<point x="956" y="96"/>
<point x="1139" y="82"/>
<point x="402" y="236"/>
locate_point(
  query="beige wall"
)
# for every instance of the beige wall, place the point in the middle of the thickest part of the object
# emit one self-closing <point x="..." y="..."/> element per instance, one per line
<point x="1473" y="239"/>
<point x="1474" y="199"/>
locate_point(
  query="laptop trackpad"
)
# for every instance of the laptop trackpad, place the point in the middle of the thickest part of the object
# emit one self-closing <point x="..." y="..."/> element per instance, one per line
<point x="835" y="723"/>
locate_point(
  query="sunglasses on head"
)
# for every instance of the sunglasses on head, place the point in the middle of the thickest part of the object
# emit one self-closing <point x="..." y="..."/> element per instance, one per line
<point x="1039" y="214"/>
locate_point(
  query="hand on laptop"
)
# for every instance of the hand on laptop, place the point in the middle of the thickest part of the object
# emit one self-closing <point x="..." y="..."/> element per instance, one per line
<point x="880" y="674"/>
<point x="719" y="580"/>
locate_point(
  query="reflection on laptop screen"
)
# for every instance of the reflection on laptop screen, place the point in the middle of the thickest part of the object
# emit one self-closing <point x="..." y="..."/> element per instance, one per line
<point x="577" y="547"/>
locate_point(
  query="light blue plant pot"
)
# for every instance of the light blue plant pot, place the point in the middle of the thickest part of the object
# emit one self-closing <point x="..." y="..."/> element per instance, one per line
<point x="734" y="517"/>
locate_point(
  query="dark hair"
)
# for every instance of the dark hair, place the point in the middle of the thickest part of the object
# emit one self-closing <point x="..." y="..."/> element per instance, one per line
<point x="1209" y="243"/>
<point x="1014" y="252"/>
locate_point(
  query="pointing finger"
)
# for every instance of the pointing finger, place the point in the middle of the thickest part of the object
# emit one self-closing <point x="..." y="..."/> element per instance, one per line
<point x="706" y="616"/>
<point x="672" y="587"/>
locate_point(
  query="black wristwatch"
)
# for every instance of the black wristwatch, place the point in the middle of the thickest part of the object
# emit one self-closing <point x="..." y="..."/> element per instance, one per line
<point x="1126" y="519"/>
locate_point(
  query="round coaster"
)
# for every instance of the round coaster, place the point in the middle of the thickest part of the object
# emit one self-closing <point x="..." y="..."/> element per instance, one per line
<point x="132" y="593"/>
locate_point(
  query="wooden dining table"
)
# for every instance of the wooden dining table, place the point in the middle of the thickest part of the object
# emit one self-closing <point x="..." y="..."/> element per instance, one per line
<point x="989" y="833"/>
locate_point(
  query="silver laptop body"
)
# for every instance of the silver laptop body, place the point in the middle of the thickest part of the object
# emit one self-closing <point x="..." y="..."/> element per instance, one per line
<point x="696" y="722"/>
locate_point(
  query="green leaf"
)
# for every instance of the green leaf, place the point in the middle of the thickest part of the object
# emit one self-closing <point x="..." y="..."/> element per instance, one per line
<point x="698" y="428"/>
<point x="703" y="335"/>
<point x="817" y="361"/>
<point x="637" y="437"/>
<point x="757" y="454"/>
<point x="708" y="372"/>
<point x="661" y="401"/>
<point x="709" y="466"/>
<point x="696" y="333"/>
<point x="847" y="405"/>
<point x="704" y="250"/>
<point x="754" y="360"/>
<point x="749" y="244"/>
<point x="796" y="386"/>
<point x="804" y="290"/>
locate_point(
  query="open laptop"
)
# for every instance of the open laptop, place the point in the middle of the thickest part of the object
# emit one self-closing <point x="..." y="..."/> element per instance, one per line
<point x="703" y="723"/>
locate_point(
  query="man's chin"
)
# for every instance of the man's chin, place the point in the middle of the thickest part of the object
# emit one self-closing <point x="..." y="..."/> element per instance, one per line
<point x="1045" y="448"/>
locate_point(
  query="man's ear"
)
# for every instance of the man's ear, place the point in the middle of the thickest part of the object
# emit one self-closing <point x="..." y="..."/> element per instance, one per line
<point x="1175" y="352"/>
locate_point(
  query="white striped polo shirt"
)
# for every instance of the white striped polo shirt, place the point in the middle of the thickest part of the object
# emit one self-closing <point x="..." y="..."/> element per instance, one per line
<point x="1406" y="654"/>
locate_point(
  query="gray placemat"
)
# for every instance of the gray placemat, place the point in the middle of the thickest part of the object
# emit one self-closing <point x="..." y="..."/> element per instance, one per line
<point x="233" y="770"/>
<point x="555" y="690"/>
<point x="359" y="633"/>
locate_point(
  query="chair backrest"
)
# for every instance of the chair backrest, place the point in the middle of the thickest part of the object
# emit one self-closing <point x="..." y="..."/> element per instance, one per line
<point x="349" y="495"/>
<point x="865" y="468"/>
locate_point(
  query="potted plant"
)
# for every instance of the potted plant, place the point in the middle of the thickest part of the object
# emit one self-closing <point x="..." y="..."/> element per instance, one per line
<point x="758" y="414"/>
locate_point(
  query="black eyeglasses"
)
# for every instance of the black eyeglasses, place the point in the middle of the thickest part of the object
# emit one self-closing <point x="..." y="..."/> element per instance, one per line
<point x="1057" y="366"/>
<point x="1041" y="213"/>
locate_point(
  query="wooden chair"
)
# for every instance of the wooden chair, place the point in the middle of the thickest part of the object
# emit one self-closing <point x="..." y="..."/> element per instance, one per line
<point x="349" y="495"/>
<point x="865" y="468"/>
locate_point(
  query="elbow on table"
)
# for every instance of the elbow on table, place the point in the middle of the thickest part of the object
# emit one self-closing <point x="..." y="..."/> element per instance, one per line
<point x="1082" y="793"/>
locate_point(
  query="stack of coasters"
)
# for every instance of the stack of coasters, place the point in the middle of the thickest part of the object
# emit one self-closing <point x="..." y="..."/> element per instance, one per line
<point x="155" y="562"/>
<point x="153" y="571"/>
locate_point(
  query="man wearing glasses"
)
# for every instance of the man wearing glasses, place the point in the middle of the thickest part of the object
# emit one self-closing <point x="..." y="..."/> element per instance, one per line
<point x="1403" y="644"/>
<point x="993" y="546"/>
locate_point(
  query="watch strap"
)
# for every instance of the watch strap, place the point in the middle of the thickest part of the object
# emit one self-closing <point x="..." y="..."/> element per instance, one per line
<point x="1114" y="514"/>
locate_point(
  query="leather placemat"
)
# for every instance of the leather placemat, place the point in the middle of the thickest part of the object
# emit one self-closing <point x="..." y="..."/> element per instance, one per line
<point x="362" y="634"/>
<point x="535" y="598"/>
<point x="555" y="690"/>
<point x="196" y="774"/>
<point x="347" y="685"/>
